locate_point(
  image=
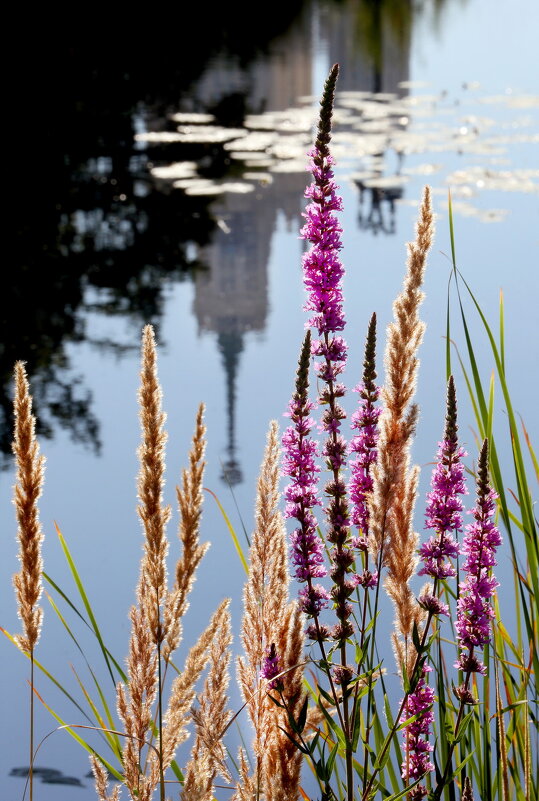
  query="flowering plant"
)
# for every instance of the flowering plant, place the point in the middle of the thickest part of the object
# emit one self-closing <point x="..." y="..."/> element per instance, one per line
<point x="353" y="542"/>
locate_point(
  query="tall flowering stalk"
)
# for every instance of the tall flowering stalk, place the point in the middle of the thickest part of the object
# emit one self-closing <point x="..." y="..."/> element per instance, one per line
<point x="363" y="445"/>
<point x="474" y="606"/>
<point x="444" y="516"/>
<point x="444" y="507"/>
<point x="28" y="488"/>
<point x="323" y="272"/>
<point x="417" y="748"/>
<point x="482" y="538"/>
<point x="301" y="494"/>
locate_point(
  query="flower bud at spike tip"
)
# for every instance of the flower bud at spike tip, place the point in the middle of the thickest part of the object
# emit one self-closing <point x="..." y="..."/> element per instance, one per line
<point x="326" y="111"/>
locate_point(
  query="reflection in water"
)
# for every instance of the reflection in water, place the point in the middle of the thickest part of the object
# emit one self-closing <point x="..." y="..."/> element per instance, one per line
<point x="90" y="233"/>
<point x="99" y="233"/>
<point x="47" y="776"/>
<point x="377" y="208"/>
<point x="230" y="347"/>
<point x="231" y="299"/>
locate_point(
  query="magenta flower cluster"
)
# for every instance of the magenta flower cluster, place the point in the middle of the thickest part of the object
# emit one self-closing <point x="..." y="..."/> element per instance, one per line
<point x="322" y="275"/>
<point x="299" y="464"/>
<point x="444" y="511"/>
<point x="416" y="744"/>
<point x="365" y="421"/>
<point x="474" y="609"/>
<point x="271" y="668"/>
<point x="323" y="270"/>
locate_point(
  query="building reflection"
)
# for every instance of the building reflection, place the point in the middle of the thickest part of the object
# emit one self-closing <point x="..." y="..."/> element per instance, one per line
<point x="231" y="299"/>
<point x="98" y="236"/>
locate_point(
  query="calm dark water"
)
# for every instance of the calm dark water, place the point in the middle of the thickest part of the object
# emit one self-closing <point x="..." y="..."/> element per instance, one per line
<point x="103" y="242"/>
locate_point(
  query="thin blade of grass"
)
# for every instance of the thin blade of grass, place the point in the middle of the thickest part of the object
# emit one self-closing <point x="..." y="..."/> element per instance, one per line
<point x="49" y="675"/>
<point x="113" y="742"/>
<point x="231" y="531"/>
<point x="70" y="728"/>
<point x="117" y="747"/>
<point x="86" y="602"/>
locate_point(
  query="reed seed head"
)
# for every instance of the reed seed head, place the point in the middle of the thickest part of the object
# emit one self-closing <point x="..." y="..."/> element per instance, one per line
<point x="28" y="488"/>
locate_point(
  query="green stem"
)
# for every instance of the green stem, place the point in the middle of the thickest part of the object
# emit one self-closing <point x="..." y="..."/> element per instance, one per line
<point x="160" y="702"/>
<point x="370" y="664"/>
<point x="302" y="741"/>
<point x="396" y="723"/>
<point x="31" y="768"/>
<point x="441" y="784"/>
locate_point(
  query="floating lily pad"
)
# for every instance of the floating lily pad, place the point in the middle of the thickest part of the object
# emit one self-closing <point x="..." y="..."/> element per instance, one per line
<point x="262" y="177"/>
<point x="209" y="133"/>
<point x="188" y="118"/>
<point x="175" y="171"/>
<point x="253" y="141"/>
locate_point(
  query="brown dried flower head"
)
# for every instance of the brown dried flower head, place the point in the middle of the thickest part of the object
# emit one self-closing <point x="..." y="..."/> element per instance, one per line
<point x="27" y="490"/>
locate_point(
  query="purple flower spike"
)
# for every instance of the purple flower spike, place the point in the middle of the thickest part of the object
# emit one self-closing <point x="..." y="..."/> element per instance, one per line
<point x="313" y="599"/>
<point x="444" y="508"/>
<point x="474" y="609"/>
<point x="416" y="745"/>
<point x="365" y="421"/>
<point x="323" y="270"/>
<point x="271" y="668"/>
<point x="307" y="551"/>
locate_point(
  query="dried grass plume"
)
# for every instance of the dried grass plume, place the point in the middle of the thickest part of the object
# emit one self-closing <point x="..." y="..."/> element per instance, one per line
<point x="28" y="488"/>
<point x="392" y="540"/>
<point x="270" y="618"/>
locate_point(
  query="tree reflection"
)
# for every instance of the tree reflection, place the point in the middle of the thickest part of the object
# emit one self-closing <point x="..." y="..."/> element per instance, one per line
<point x="91" y="233"/>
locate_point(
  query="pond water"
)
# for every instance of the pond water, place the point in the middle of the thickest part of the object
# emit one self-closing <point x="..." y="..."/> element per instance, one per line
<point x="191" y="222"/>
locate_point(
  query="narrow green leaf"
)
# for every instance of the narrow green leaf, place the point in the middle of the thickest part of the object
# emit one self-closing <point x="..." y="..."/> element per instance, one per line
<point x="332" y="724"/>
<point x="331" y="761"/>
<point x="303" y="715"/>
<point x="86" y="602"/>
<point x="402" y="792"/>
<point x="326" y="695"/>
<point x="231" y="531"/>
<point x="70" y="728"/>
<point x="116" y="747"/>
<point x="298" y="745"/>
<point x="464" y="723"/>
<point x="49" y="676"/>
<point x="77" y="611"/>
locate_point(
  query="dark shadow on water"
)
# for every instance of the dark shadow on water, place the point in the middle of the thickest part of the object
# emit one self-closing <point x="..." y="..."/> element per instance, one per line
<point x="89" y="233"/>
<point x="48" y="776"/>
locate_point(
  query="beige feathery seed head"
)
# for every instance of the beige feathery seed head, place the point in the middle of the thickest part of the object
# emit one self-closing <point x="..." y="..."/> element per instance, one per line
<point x="211" y="719"/>
<point x="153" y="514"/>
<point x="212" y="716"/>
<point x="182" y="693"/>
<point x="269" y="617"/>
<point x="27" y="490"/>
<point x="135" y="702"/>
<point x="190" y="498"/>
<point x="265" y="593"/>
<point x="283" y="761"/>
<point x="397" y="422"/>
<point x="101" y="782"/>
<point x="401" y="559"/>
<point x="198" y="785"/>
<point x="245" y="786"/>
<point x="392" y="540"/>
